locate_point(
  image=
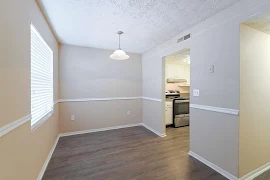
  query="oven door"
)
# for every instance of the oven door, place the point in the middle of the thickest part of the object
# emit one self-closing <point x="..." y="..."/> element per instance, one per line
<point x="180" y="107"/>
<point x="180" y="113"/>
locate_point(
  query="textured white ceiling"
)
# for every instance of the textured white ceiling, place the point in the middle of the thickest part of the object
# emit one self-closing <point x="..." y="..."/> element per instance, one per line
<point x="261" y="23"/>
<point x="146" y="23"/>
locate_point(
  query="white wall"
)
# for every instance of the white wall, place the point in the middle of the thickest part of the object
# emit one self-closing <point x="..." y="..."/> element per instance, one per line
<point x="254" y="100"/>
<point x="90" y="73"/>
<point x="213" y="42"/>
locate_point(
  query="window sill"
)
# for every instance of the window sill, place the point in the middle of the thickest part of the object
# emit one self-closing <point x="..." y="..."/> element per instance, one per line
<point x="41" y="121"/>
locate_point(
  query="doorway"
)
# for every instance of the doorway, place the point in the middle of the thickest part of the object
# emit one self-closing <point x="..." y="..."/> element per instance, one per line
<point x="176" y="89"/>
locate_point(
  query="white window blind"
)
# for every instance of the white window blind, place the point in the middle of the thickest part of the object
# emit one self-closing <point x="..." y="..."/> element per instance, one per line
<point x="41" y="79"/>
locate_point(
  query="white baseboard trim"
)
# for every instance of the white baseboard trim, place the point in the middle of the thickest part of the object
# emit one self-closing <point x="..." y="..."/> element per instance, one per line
<point x="76" y="133"/>
<point x="213" y="166"/>
<point x="112" y="128"/>
<point x="154" y="131"/>
<point x="152" y="99"/>
<point x="11" y="126"/>
<point x="44" y="167"/>
<point x="256" y="172"/>
<point x="98" y="130"/>
<point x="216" y="109"/>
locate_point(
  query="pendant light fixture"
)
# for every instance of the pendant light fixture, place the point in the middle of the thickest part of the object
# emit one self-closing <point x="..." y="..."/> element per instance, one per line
<point x="119" y="54"/>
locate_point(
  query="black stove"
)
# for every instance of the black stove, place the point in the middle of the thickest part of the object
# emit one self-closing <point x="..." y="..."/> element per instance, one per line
<point x="171" y="94"/>
<point x="180" y="108"/>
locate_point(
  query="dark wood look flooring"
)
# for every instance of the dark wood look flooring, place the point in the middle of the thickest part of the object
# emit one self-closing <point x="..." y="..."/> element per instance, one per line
<point x="127" y="154"/>
<point x="264" y="176"/>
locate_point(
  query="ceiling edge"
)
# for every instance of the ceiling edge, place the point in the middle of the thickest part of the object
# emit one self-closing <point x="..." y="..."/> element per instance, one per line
<point x="40" y="6"/>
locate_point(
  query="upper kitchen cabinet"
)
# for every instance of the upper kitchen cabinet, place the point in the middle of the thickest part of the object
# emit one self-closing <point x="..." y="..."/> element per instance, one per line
<point x="178" y="71"/>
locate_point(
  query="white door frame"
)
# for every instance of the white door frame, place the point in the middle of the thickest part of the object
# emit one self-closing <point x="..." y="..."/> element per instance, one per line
<point x="163" y="85"/>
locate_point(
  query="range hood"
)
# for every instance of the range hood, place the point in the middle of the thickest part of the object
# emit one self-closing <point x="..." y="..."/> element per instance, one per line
<point x="176" y="80"/>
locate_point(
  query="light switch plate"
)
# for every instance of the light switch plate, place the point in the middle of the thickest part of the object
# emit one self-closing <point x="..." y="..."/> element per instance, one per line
<point x="196" y="92"/>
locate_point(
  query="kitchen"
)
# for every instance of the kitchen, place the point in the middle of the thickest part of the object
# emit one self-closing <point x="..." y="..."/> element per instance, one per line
<point x="177" y="89"/>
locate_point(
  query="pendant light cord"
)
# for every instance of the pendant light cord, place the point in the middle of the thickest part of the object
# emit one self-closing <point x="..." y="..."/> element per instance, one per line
<point x="119" y="41"/>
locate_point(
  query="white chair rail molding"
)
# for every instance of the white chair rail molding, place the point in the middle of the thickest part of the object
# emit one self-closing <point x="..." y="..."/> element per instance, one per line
<point x="135" y="89"/>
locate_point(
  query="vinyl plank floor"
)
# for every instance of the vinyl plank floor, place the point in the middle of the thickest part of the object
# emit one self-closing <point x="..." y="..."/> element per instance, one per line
<point x="264" y="176"/>
<point x="127" y="154"/>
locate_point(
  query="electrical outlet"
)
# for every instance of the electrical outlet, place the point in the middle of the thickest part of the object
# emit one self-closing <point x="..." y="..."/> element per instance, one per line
<point x="72" y="118"/>
<point x="128" y="113"/>
<point x="211" y="69"/>
<point x="196" y="92"/>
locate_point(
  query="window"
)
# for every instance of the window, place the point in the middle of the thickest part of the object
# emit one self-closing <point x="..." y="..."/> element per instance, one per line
<point x="41" y="79"/>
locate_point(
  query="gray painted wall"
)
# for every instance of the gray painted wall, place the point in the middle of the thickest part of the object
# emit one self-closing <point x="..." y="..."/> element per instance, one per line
<point x="216" y="41"/>
<point x="214" y="136"/>
<point x="90" y="73"/>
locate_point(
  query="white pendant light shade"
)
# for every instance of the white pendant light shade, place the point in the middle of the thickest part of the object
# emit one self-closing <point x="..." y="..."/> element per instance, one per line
<point x="119" y="54"/>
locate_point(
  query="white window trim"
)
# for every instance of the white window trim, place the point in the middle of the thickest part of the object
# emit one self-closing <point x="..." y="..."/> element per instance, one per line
<point x="49" y="114"/>
<point x="41" y="121"/>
